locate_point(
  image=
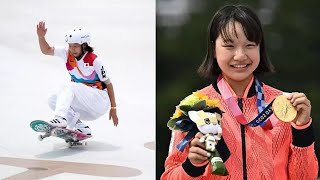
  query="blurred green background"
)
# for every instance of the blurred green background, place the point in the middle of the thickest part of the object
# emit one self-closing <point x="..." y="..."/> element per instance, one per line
<point x="291" y="30"/>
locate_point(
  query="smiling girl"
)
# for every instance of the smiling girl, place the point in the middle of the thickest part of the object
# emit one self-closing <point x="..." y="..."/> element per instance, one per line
<point x="236" y="55"/>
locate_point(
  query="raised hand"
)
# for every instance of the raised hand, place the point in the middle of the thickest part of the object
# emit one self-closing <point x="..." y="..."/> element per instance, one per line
<point x="41" y="29"/>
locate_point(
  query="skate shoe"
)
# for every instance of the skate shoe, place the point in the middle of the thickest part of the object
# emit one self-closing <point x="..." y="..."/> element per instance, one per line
<point x="82" y="128"/>
<point x="58" y="122"/>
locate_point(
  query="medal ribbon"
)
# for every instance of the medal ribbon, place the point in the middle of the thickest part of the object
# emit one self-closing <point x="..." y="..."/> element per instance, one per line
<point x="263" y="112"/>
<point x="187" y="126"/>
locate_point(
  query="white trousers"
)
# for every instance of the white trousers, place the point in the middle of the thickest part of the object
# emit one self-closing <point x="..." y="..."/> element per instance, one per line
<point x="77" y="101"/>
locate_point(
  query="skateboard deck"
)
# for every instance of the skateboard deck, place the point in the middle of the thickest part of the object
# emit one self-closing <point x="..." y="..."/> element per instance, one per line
<point x="71" y="137"/>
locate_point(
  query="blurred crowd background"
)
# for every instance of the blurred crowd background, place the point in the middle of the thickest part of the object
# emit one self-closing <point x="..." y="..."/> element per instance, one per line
<point x="291" y="30"/>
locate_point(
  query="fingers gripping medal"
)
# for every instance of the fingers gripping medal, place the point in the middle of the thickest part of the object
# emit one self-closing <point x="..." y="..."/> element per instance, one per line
<point x="283" y="109"/>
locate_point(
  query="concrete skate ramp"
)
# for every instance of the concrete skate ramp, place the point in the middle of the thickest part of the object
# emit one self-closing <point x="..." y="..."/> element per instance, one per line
<point x="41" y="169"/>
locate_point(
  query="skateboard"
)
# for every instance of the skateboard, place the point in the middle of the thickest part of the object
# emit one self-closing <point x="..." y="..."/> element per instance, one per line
<point x="71" y="137"/>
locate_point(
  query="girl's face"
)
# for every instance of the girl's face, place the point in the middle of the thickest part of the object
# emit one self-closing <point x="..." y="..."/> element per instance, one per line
<point x="237" y="57"/>
<point x="75" y="49"/>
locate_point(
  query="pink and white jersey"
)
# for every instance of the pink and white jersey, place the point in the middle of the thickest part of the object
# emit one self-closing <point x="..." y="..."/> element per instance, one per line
<point x="88" y="70"/>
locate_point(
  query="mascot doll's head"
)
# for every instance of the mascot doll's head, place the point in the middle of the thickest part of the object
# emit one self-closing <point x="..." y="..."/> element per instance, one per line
<point x="207" y="122"/>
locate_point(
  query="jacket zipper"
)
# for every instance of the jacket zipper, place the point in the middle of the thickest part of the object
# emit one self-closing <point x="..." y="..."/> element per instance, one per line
<point x="243" y="140"/>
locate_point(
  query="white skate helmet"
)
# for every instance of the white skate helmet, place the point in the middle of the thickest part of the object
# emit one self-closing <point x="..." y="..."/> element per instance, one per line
<point x="78" y="35"/>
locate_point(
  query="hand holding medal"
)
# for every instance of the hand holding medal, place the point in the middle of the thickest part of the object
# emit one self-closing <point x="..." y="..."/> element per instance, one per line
<point x="292" y="107"/>
<point x="303" y="107"/>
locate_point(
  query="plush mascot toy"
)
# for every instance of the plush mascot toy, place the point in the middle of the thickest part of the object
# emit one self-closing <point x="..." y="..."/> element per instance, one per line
<point x="209" y="125"/>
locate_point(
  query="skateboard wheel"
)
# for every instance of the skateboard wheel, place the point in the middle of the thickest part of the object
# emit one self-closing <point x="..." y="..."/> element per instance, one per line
<point x="85" y="143"/>
<point x="69" y="144"/>
<point x="40" y="138"/>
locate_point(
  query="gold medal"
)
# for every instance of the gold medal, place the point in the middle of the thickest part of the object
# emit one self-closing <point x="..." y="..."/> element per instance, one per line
<point x="283" y="109"/>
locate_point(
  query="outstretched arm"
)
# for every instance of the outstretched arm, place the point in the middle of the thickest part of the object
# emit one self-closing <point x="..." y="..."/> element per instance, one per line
<point x="44" y="46"/>
<point x="113" y="110"/>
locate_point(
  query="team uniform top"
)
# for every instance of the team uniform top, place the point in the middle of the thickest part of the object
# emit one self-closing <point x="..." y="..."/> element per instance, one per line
<point x="88" y="70"/>
<point x="278" y="154"/>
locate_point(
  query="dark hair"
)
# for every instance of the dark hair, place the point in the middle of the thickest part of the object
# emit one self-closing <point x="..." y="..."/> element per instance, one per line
<point x="219" y="26"/>
<point x="88" y="48"/>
